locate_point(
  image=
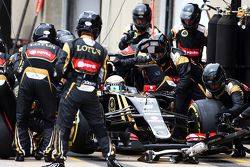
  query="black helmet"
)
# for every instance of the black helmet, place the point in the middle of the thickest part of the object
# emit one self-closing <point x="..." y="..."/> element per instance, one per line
<point x="214" y="77"/>
<point x="190" y="16"/>
<point x="142" y="16"/>
<point x="3" y="47"/>
<point x="89" y="22"/>
<point x="158" y="47"/>
<point x="63" y="36"/>
<point x="45" y="31"/>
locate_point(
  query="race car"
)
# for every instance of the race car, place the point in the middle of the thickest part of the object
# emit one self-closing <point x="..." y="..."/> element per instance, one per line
<point x="214" y="133"/>
<point x="146" y="116"/>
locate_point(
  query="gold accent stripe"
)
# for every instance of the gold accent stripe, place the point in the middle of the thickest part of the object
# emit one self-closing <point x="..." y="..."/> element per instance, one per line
<point x="76" y="128"/>
<point x="196" y="115"/>
<point x="67" y="60"/>
<point x="71" y="87"/>
<point x="120" y="107"/>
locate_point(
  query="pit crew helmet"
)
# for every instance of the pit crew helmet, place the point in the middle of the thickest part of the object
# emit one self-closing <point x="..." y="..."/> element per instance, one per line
<point x="115" y="83"/>
<point x="142" y="16"/>
<point x="63" y="36"/>
<point x="214" y="77"/>
<point x="190" y="16"/>
<point x="89" y="22"/>
<point x="158" y="47"/>
<point x="45" y="31"/>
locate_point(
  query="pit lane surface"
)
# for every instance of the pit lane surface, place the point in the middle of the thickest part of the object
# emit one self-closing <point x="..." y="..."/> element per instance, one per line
<point x="95" y="160"/>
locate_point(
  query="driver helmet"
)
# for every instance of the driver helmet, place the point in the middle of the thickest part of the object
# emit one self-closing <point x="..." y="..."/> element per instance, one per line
<point x="214" y="77"/>
<point x="115" y="83"/>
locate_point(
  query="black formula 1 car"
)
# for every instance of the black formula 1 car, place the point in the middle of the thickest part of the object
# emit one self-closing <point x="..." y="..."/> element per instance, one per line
<point x="210" y="135"/>
<point x="141" y="121"/>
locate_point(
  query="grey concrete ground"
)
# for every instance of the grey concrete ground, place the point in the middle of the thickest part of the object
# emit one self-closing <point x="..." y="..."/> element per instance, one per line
<point x="95" y="160"/>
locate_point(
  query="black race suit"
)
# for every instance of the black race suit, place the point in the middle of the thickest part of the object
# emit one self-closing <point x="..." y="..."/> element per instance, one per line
<point x="84" y="68"/>
<point x="191" y="42"/>
<point x="236" y="98"/>
<point x="8" y="99"/>
<point x="37" y="66"/>
<point x="189" y="86"/>
<point x="152" y="74"/>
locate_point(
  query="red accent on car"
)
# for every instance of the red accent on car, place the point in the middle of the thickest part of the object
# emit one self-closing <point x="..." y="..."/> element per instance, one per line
<point x="40" y="53"/>
<point x="149" y="88"/>
<point x="2" y="61"/>
<point x="133" y="137"/>
<point x="196" y="137"/>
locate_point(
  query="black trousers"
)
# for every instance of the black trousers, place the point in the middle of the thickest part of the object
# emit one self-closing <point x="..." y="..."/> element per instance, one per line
<point x="31" y="89"/>
<point x="87" y="101"/>
<point x="182" y="103"/>
<point x="8" y="102"/>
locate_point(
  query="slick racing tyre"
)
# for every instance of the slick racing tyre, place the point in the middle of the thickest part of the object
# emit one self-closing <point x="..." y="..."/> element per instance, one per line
<point x="6" y="138"/>
<point x="203" y="114"/>
<point x="81" y="138"/>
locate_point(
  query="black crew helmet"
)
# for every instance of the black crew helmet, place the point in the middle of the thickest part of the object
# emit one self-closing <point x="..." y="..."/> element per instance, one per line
<point x="89" y="22"/>
<point x="45" y="31"/>
<point x="214" y="77"/>
<point x="63" y="36"/>
<point x="142" y="16"/>
<point x="158" y="46"/>
<point x="190" y="16"/>
<point x="3" y="47"/>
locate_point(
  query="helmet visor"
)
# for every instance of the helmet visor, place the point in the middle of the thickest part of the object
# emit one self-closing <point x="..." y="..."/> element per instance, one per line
<point x="188" y="22"/>
<point x="141" y="22"/>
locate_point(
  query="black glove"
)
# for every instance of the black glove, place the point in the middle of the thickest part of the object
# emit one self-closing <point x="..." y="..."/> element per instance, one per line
<point x="238" y="121"/>
<point x="143" y="59"/>
<point x="127" y="37"/>
<point x="117" y="62"/>
<point x="224" y="117"/>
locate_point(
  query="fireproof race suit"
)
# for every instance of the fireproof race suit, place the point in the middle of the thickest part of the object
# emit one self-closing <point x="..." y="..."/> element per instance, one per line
<point x="235" y="97"/>
<point x="189" y="86"/>
<point x="190" y="41"/>
<point x="38" y="76"/>
<point x="8" y="100"/>
<point x="130" y="38"/>
<point x="84" y="68"/>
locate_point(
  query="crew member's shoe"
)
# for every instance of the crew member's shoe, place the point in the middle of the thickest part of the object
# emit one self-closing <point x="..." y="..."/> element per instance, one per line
<point x="55" y="164"/>
<point x="48" y="158"/>
<point x="38" y="155"/>
<point x="112" y="162"/>
<point x="19" y="157"/>
<point x="239" y="153"/>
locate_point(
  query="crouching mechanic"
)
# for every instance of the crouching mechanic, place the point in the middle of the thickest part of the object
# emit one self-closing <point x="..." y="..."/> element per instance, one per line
<point x="233" y="95"/>
<point x="174" y="62"/>
<point x="36" y="65"/>
<point x="83" y="69"/>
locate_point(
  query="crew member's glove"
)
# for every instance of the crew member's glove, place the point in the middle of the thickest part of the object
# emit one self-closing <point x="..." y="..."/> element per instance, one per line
<point x="127" y="37"/>
<point x="117" y="62"/>
<point x="223" y="117"/>
<point x="237" y="122"/>
<point x="143" y="59"/>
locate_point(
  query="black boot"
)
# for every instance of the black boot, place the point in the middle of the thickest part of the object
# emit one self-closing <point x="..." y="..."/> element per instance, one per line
<point x="56" y="163"/>
<point x="239" y="153"/>
<point x="38" y="155"/>
<point x="19" y="157"/>
<point x="48" y="158"/>
<point x="112" y="162"/>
